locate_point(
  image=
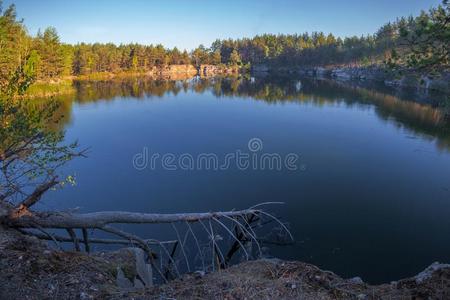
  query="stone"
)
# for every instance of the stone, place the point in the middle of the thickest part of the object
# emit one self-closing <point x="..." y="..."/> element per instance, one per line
<point x="428" y="272"/>
<point x="356" y="280"/>
<point x="138" y="284"/>
<point x="121" y="281"/>
<point x="143" y="269"/>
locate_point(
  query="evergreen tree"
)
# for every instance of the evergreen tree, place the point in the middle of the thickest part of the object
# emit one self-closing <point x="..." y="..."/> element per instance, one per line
<point x="14" y="44"/>
<point x="427" y="38"/>
<point x="235" y="58"/>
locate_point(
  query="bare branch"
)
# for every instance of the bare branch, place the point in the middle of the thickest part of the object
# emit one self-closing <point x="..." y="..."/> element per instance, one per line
<point x="38" y="192"/>
<point x="58" y="238"/>
<point x="86" y="240"/>
<point x="182" y="247"/>
<point x="234" y="237"/>
<point x="74" y="238"/>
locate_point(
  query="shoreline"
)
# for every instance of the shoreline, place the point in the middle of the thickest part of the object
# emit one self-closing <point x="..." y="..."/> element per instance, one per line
<point x="371" y="74"/>
<point x="63" y="86"/>
<point x="33" y="270"/>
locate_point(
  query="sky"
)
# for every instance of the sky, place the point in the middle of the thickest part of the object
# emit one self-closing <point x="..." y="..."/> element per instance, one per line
<point x="186" y="24"/>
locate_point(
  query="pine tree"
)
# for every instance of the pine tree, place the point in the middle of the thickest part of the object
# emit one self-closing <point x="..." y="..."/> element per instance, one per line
<point x="235" y="58"/>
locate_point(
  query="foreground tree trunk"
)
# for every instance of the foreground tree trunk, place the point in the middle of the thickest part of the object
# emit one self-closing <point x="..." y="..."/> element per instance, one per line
<point x="240" y="228"/>
<point x="101" y="219"/>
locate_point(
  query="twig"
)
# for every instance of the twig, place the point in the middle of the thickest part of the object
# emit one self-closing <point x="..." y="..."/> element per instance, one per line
<point x="182" y="247"/>
<point x="86" y="240"/>
<point x="200" y="252"/>
<point x="73" y="236"/>
<point x="234" y="237"/>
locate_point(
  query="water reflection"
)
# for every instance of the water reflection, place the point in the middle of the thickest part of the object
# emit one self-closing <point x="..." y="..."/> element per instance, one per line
<point x="362" y="207"/>
<point x="423" y="114"/>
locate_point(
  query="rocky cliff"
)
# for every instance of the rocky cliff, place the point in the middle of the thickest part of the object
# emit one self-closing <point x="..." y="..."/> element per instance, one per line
<point x="174" y="69"/>
<point x="212" y="70"/>
<point x="403" y="78"/>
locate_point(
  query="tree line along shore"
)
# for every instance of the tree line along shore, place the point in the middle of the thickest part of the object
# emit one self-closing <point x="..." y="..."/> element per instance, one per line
<point x="410" y="43"/>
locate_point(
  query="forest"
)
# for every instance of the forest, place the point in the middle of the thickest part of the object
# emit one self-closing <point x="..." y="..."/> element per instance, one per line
<point x="419" y="42"/>
<point x="131" y="227"/>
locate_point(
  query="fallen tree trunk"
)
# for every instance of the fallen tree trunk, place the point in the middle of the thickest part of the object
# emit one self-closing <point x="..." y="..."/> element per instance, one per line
<point x="101" y="219"/>
<point x="36" y="223"/>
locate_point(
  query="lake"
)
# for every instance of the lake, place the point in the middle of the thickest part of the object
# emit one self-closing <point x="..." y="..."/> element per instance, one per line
<point x="367" y="192"/>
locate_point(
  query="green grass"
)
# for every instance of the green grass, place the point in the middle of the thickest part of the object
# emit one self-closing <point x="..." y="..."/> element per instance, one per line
<point x="49" y="89"/>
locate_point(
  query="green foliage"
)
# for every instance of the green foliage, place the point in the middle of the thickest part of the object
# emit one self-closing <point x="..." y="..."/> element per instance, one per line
<point x="427" y="39"/>
<point x="420" y="43"/>
<point x="32" y="65"/>
<point x="30" y="153"/>
<point x="14" y="43"/>
<point x="235" y="58"/>
<point x="49" y="89"/>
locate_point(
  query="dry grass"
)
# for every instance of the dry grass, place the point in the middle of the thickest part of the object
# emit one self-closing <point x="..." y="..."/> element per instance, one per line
<point x="276" y="279"/>
<point x="30" y="270"/>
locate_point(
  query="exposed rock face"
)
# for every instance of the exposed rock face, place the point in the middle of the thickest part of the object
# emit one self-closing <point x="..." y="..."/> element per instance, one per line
<point x="173" y="69"/>
<point x="439" y="83"/>
<point x="407" y="78"/>
<point x="359" y="73"/>
<point x="211" y="70"/>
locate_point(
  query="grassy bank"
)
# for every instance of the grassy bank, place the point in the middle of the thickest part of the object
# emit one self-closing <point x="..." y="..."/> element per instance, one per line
<point x="44" y="89"/>
<point x="64" y="86"/>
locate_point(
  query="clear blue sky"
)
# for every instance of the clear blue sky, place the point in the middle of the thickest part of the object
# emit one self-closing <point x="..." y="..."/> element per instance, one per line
<point x="188" y="23"/>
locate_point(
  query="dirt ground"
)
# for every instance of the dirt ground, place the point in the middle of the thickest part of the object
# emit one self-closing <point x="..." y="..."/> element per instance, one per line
<point x="29" y="269"/>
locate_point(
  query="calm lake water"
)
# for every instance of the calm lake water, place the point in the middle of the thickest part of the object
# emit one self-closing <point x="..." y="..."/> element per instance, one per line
<point x="370" y="196"/>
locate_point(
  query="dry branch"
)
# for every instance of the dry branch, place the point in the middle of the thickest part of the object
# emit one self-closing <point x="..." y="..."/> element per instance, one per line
<point x="66" y="239"/>
<point x="38" y="192"/>
<point x="101" y="219"/>
<point x="29" y="222"/>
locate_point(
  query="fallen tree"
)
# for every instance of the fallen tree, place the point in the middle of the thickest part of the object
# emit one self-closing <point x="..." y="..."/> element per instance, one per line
<point x="31" y="156"/>
<point x="101" y="219"/>
<point x="240" y="228"/>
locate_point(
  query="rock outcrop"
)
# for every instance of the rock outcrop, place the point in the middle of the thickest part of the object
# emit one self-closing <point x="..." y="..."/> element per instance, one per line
<point x="439" y="82"/>
<point x="212" y="70"/>
<point x="177" y="69"/>
<point x="360" y="73"/>
<point x="404" y="78"/>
